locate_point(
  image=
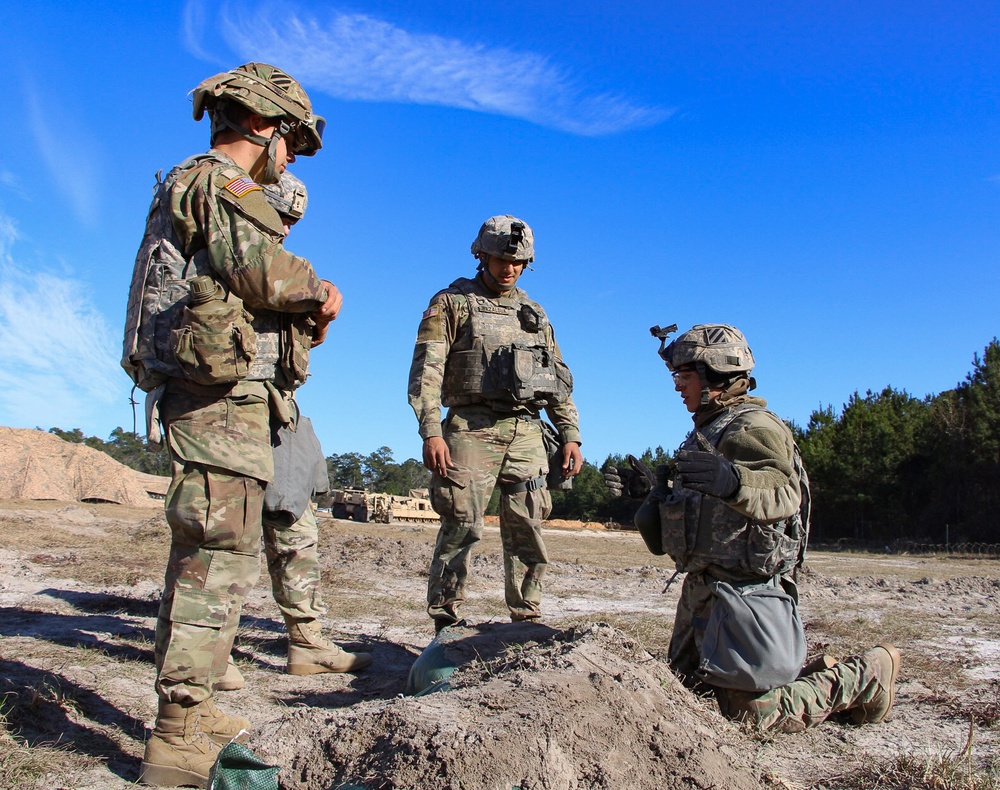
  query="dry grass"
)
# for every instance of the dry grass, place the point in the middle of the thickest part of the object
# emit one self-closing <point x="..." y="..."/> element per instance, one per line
<point x="959" y="770"/>
<point x="24" y="761"/>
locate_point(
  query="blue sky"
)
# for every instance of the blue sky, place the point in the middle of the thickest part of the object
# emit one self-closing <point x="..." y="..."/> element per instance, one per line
<point x="826" y="176"/>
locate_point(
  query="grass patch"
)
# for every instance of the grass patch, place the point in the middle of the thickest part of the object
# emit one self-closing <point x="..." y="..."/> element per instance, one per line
<point x="23" y="764"/>
<point x="843" y="637"/>
<point x="946" y="771"/>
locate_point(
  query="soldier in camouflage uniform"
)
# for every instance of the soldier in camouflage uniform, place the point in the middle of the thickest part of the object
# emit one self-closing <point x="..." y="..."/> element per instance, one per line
<point x="211" y="279"/>
<point x="729" y="511"/>
<point x="488" y="353"/>
<point x="292" y="550"/>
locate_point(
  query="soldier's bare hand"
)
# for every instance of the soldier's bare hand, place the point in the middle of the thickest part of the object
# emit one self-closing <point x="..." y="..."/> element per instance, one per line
<point x="572" y="459"/>
<point x="437" y="456"/>
<point x="331" y="307"/>
<point x="319" y="333"/>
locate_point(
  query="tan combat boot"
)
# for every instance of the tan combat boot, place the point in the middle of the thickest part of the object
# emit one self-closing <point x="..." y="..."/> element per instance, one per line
<point x="886" y="657"/>
<point x="221" y="727"/>
<point x="232" y="680"/>
<point x="178" y="753"/>
<point x="818" y="664"/>
<point x="309" y="653"/>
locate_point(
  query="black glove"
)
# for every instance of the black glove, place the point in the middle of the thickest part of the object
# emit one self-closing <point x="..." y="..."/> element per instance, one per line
<point x="707" y="471"/>
<point x="613" y="481"/>
<point x="636" y="482"/>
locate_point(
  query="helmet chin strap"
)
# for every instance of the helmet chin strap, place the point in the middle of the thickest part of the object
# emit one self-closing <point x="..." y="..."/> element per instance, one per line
<point x="491" y="281"/>
<point x="264" y="170"/>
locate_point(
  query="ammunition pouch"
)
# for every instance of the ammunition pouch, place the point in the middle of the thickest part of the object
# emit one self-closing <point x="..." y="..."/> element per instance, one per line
<point x="214" y="342"/>
<point x="678" y="517"/>
<point x="295" y="349"/>
<point x="533" y="376"/>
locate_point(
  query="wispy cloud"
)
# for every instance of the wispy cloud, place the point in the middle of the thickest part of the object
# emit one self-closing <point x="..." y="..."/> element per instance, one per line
<point x="357" y="57"/>
<point x="68" y="152"/>
<point x="57" y="365"/>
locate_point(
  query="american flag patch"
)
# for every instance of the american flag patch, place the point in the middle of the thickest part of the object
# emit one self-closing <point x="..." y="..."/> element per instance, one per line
<point x="430" y="311"/>
<point x="242" y="186"/>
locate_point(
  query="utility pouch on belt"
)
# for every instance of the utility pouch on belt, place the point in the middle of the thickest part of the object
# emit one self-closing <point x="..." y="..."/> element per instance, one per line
<point x="523" y="364"/>
<point x="214" y="343"/>
<point x="554" y="480"/>
<point x="754" y="639"/>
<point x="296" y="344"/>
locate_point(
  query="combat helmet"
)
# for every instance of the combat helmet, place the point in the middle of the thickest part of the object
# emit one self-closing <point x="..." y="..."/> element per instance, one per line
<point x="719" y="348"/>
<point x="269" y="92"/>
<point x="505" y="237"/>
<point x="288" y="197"/>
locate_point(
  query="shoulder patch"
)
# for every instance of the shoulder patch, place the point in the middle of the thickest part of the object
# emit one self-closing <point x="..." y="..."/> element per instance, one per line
<point x="243" y="186"/>
<point x="430" y="312"/>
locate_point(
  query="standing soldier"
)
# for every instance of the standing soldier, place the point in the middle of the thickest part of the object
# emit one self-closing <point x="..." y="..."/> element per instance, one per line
<point x="291" y="534"/>
<point x="488" y="353"/>
<point x="209" y="335"/>
<point x="732" y="511"/>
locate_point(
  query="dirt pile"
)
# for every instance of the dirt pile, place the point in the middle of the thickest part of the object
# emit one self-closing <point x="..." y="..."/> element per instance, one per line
<point x="39" y="465"/>
<point x="534" y="707"/>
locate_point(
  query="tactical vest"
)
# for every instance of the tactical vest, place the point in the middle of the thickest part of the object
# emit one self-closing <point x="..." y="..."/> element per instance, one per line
<point x="512" y="361"/>
<point x="699" y="531"/>
<point x="160" y="291"/>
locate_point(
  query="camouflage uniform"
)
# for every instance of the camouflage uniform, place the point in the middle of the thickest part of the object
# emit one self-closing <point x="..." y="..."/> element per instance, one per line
<point x="293" y="563"/>
<point x="714" y="540"/>
<point x="493" y="438"/>
<point x="219" y="436"/>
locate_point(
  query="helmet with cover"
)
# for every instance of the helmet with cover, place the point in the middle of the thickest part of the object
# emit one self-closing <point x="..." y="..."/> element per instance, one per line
<point x="270" y="93"/>
<point x="718" y="348"/>
<point x="506" y="237"/>
<point x="267" y="91"/>
<point x="288" y="197"/>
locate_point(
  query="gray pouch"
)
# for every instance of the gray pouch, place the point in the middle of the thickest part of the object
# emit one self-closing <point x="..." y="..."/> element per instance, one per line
<point x="299" y="471"/>
<point x="754" y="639"/>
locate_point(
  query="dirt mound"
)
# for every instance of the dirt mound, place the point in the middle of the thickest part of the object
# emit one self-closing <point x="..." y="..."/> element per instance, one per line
<point x="561" y="523"/>
<point x="39" y="465"/>
<point x="560" y="710"/>
<point x="554" y="523"/>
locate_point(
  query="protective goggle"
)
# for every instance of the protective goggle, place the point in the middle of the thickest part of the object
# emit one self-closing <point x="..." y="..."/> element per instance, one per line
<point x="307" y="136"/>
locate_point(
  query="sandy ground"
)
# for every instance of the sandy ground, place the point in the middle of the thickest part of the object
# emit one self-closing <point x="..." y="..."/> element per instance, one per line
<point x="583" y="700"/>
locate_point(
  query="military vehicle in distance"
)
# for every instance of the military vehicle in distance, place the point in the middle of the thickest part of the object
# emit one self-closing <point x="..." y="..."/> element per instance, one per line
<point x="351" y="503"/>
<point x="361" y="505"/>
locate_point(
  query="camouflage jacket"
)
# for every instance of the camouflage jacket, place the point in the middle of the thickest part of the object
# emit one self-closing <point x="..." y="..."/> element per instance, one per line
<point x="756" y="531"/>
<point x="209" y="217"/>
<point x="446" y="328"/>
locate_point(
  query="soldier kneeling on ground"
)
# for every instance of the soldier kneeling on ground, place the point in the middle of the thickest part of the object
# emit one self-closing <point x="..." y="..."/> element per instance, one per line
<point x="732" y="511"/>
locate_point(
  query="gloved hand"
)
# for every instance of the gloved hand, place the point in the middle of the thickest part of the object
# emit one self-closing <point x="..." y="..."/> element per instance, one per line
<point x="636" y="482"/>
<point x="707" y="470"/>
<point x="614" y="481"/>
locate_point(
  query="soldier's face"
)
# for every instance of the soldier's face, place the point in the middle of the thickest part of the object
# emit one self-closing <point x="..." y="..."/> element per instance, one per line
<point x="504" y="272"/>
<point x="688" y="384"/>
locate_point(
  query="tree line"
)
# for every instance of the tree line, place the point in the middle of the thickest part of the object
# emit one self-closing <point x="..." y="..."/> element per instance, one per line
<point x="886" y="467"/>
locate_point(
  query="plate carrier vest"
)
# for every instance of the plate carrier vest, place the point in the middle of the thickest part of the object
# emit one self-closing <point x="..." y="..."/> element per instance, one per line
<point x="699" y="530"/>
<point x="512" y="362"/>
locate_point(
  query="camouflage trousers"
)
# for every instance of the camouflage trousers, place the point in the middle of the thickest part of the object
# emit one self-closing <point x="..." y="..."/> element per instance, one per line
<point x="803" y="703"/>
<point x="220" y="463"/>
<point x="488" y="449"/>
<point x="293" y="565"/>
